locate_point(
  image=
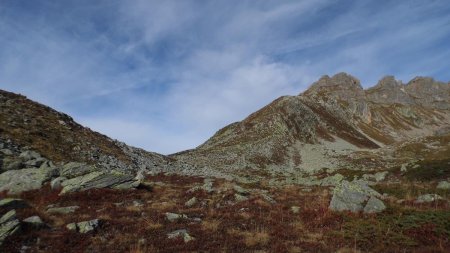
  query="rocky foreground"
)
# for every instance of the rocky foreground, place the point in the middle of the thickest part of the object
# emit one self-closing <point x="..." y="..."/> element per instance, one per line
<point x="335" y="169"/>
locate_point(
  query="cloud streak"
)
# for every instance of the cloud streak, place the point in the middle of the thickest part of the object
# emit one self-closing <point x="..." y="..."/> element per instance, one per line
<point x="165" y="75"/>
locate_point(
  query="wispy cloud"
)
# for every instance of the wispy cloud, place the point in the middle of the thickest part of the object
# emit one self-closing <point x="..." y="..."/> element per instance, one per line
<point x="165" y="75"/>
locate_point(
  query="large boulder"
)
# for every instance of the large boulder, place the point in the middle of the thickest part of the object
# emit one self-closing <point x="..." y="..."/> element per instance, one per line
<point x="99" y="179"/>
<point x="356" y="196"/>
<point x="17" y="181"/>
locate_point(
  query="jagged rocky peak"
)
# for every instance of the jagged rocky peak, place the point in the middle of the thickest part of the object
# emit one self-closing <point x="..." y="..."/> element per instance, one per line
<point x="388" y="82"/>
<point x="341" y="85"/>
<point x="389" y="91"/>
<point x="429" y="93"/>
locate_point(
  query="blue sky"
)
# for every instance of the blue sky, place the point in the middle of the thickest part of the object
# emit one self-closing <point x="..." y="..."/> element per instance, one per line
<point x="165" y="75"/>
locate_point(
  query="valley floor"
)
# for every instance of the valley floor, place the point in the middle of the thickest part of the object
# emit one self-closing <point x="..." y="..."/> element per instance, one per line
<point x="218" y="216"/>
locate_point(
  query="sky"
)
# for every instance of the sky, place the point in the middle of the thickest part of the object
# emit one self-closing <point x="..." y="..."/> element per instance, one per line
<point x="166" y="75"/>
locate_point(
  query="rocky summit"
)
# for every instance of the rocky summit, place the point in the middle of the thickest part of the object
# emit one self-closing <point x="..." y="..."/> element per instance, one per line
<point x="337" y="168"/>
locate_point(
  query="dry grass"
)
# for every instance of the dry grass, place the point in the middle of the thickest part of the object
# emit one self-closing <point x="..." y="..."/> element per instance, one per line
<point x="249" y="226"/>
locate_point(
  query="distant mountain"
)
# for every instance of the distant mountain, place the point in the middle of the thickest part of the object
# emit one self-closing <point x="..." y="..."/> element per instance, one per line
<point x="321" y="127"/>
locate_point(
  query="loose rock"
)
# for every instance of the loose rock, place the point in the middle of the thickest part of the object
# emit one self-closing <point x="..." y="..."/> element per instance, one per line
<point x="183" y="233"/>
<point x="427" y="198"/>
<point x="62" y="210"/>
<point x="191" y="202"/>
<point x="34" y="221"/>
<point x="84" y="226"/>
<point x="443" y="185"/>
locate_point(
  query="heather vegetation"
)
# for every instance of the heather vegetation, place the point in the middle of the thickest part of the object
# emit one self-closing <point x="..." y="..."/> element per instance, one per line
<point x="219" y="223"/>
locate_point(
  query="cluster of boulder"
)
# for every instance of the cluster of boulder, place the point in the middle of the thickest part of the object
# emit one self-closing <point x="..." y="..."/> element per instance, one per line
<point x="10" y="223"/>
<point x="28" y="170"/>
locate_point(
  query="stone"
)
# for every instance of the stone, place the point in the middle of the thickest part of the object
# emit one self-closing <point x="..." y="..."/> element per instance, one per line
<point x="191" y="202"/>
<point x="404" y="168"/>
<point x="295" y="209"/>
<point x="88" y="226"/>
<point x="207" y="186"/>
<point x="138" y="203"/>
<point x="29" y="155"/>
<point x="174" y="216"/>
<point x="9" y="216"/>
<point x="74" y="169"/>
<point x="374" y="205"/>
<point x="71" y="226"/>
<point x="34" y="221"/>
<point x="10" y="203"/>
<point x="62" y="210"/>
<point x="351" y="196"/>
<point x="183" y="233"/>
<point x="99" y="179"/>
<point x="57" y="183"/>
<point x="9" y="225"/>
<point x="444" y="185"/>
<point x="240" y="198"/>
<point x="380" y="176"/>
<point x="47" y="165"/>
<point x="427" y="198"/>
<point x="11" y="163"/>
<point x="331" y="180"/>
<point x="84" y="226"/>
<point x="267" y="197"/>
<point x="35" y="163"/>
<point x="17" y="181"/>
<point x="6" y="151"/>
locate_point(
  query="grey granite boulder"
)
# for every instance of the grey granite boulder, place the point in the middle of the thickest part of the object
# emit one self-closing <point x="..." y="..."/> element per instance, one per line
<point x="354" y="197"/>
<point x="99" y="179"/>
<point x="17" y="181"/>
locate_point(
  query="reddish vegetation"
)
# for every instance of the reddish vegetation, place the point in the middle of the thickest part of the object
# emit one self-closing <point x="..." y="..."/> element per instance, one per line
<point x="247" y="226"/>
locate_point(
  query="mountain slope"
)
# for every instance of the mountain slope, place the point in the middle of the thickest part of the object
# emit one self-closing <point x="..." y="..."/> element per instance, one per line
<point x="319" y="128"/>
<point x="57" y="137"/>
